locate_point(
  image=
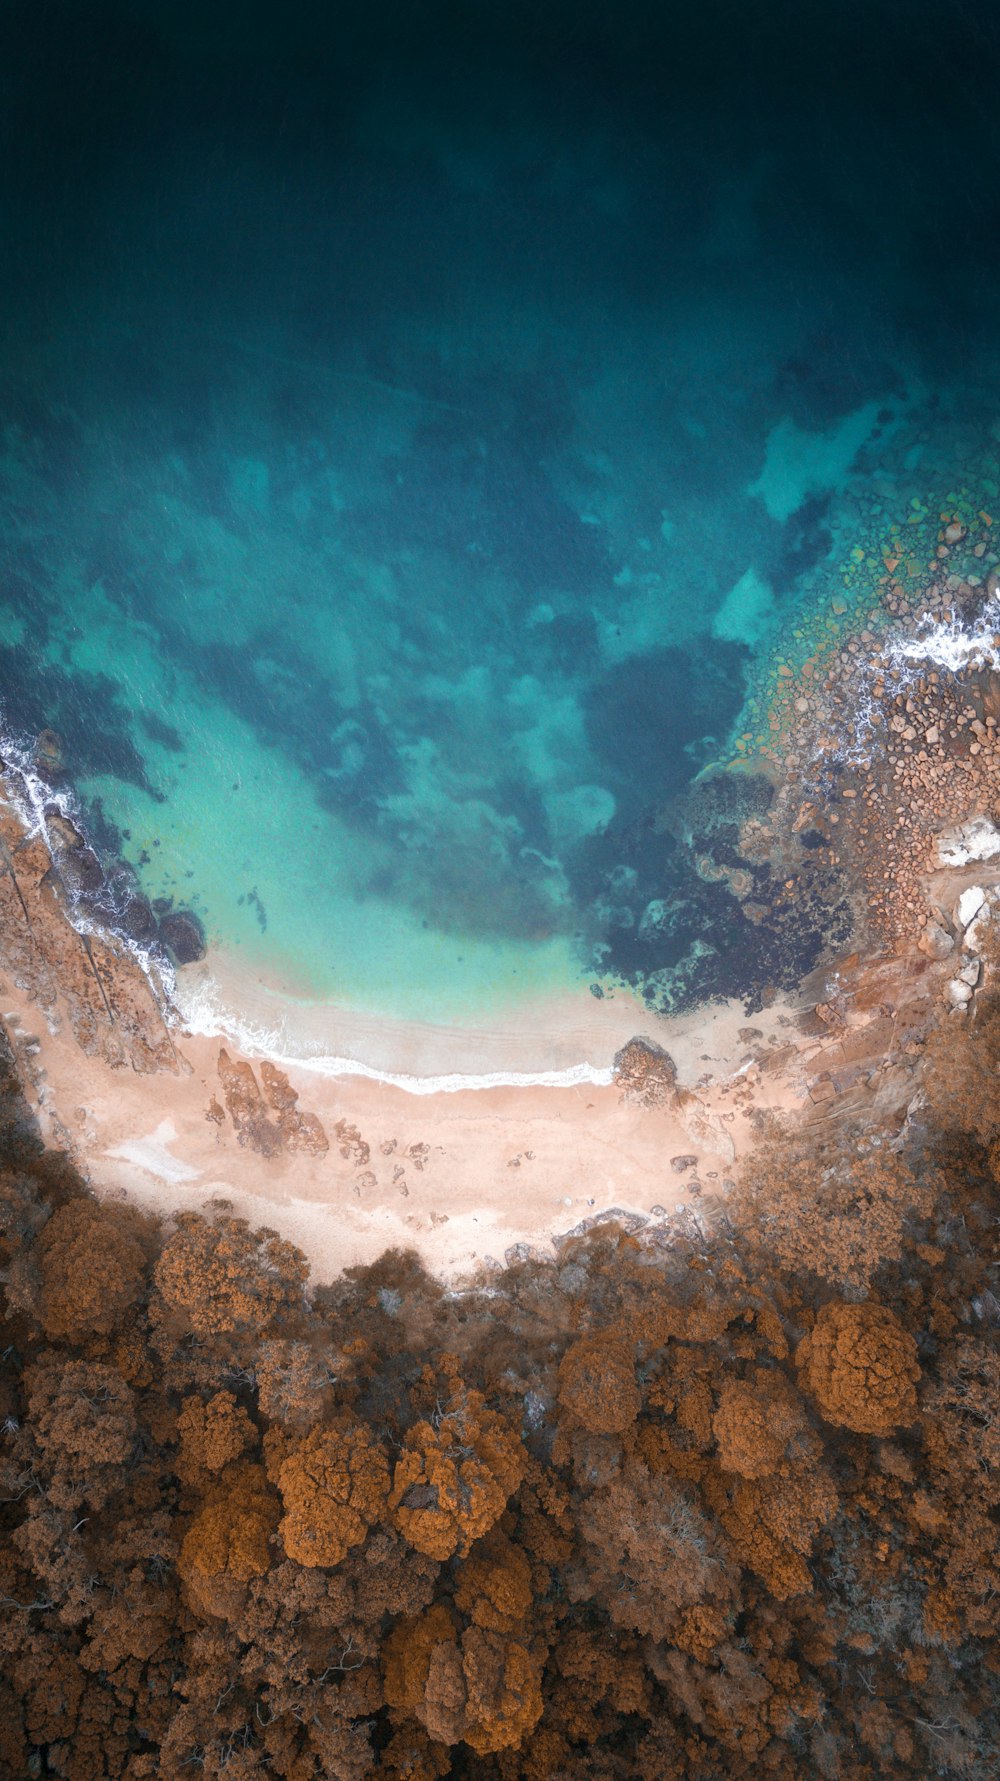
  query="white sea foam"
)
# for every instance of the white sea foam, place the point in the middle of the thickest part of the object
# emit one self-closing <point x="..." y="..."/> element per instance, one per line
<point x="205" y="1015"/>
<point x="944" y="644"/>
<point x="35" y="800"/>
<point x="950" y="645"/>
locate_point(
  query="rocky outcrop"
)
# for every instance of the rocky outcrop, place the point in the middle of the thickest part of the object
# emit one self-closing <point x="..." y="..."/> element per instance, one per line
<point x="268" y="1120"/>
<point x="302" y="1131"/>
<point x="89" y="980"/>
<point x="645" y="1073"/>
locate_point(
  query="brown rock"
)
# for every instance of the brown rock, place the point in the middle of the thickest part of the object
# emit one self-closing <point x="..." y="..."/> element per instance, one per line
<point x="246" y="1107"/>
<point x="645" y="1073"/>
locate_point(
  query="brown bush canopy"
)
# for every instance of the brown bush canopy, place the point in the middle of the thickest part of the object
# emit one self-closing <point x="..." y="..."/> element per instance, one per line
<point x="728" y="1508"/>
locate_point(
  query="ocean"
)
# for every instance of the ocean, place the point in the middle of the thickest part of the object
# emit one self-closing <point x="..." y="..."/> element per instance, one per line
<point x="420" y="437"/>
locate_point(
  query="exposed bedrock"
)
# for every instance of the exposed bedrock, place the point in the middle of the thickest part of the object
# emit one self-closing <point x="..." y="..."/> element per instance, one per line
<point x="269" y="1121"/>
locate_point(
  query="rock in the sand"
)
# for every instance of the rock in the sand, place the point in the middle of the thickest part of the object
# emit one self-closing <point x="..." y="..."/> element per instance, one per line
<point x="935" y="941"/>
<point x="680" y="1163"/>
<point x="968" y="843"/>
<point x="959" y="994"/>
<point x="969" y="972"/>
<point x="246" y="1107"/>
<point x="183" y="935"/>
<point x="645" y="1073"/>
<point x="969" y="904"/>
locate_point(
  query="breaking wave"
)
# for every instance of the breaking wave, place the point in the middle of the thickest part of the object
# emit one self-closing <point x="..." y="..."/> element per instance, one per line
<point x="204" y="1015"/>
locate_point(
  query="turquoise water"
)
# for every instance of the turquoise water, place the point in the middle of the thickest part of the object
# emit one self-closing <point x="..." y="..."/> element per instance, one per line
<point x="406" y="455"/>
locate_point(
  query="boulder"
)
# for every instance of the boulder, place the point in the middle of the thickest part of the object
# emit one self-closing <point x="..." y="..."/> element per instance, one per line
<point x="969" y="905"/>
<point x="935" y="941"/>
<point x="183" y="935"/>
<point x="80" y="871"/>
<point x="644" y="1072"/>
<point x="136" y="919"/>
<point x="61" y="832"/>
<point x="958" y="994"/>
<point x="968" y="843"/>
<point x="49" y="756"/>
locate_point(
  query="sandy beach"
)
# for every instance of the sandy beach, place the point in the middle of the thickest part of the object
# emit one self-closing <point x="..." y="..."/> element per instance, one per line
<point x="461" y="1176"/>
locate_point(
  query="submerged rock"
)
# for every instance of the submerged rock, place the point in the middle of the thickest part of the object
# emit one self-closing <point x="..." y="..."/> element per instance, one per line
<point x="136" y="920"/>
<point x="50" y="759"/>
<point x="183" y="935"/>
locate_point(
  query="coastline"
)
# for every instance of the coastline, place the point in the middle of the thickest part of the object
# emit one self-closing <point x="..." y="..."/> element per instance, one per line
<point x="467" y="1177"/>
<point x="549" y="1040"/>
<point x="205" y="1089"/>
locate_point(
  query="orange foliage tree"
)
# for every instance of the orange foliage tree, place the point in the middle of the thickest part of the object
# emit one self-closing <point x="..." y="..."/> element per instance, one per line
<point x="92" y="1267"/>
<point x="476" y="1687"/>
<point x="229" y="1540"/>
<point x="861" y="1367"/>
<point x="455" y="1475"/>
<point x="597" y="1384"/>
<point x="334" y="1485"/>
<point x="224" y="1277"/>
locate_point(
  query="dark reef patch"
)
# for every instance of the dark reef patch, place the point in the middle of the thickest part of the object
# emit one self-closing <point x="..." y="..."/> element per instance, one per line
<point x="677" y="911"/>
<point x="646" y="715"/>
<point x="86" y="709"/>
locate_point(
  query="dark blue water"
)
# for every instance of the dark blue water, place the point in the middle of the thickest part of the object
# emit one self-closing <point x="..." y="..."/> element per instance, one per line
<point x="415" y="429"/>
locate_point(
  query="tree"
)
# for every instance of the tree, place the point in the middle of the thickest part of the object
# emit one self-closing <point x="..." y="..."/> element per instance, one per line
<point x="494" y="1586"/>
<point x="597" y="1384"/>
<point x="861" y="1367"/>
<point x="229" y="1540"/>
<point x="839" y="1209"/>
<point x="225" y="1277"/>
<point x="455" y="1475"/>
<point x="211" y="1435"/>
<point x="334" y="1485"/>
<point x="475" y="1687"/>
<point x="650" y="1555"/>
<point x="83" y="1421"/>
<point x="755" y="1423"/>
<point x="92" y="1265"/>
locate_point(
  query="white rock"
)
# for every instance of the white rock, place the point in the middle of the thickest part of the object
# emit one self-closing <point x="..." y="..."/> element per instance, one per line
<point x="970" y="973"/>
<point x="969" y="904"/>
<point x="973" y="938"/>
<point x="978" y="839"/>
<point x="958" y="994"/>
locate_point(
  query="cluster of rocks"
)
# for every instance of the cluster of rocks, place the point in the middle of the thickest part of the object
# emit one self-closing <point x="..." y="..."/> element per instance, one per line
<point x="266" y="1119"/>
<point x="929" y="756"/>
<point x="959" y="937"/>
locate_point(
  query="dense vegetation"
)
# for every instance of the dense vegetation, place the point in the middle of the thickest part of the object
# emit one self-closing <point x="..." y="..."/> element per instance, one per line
<point x="725" y="1508"/>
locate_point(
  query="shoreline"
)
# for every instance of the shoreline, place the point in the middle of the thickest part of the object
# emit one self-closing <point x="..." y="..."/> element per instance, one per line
<point x="204" y="1089"/>
<point x="554" y="1040"/>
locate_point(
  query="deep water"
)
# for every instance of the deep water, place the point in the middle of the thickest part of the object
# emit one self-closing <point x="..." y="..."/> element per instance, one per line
<point x="415" y="431"/>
